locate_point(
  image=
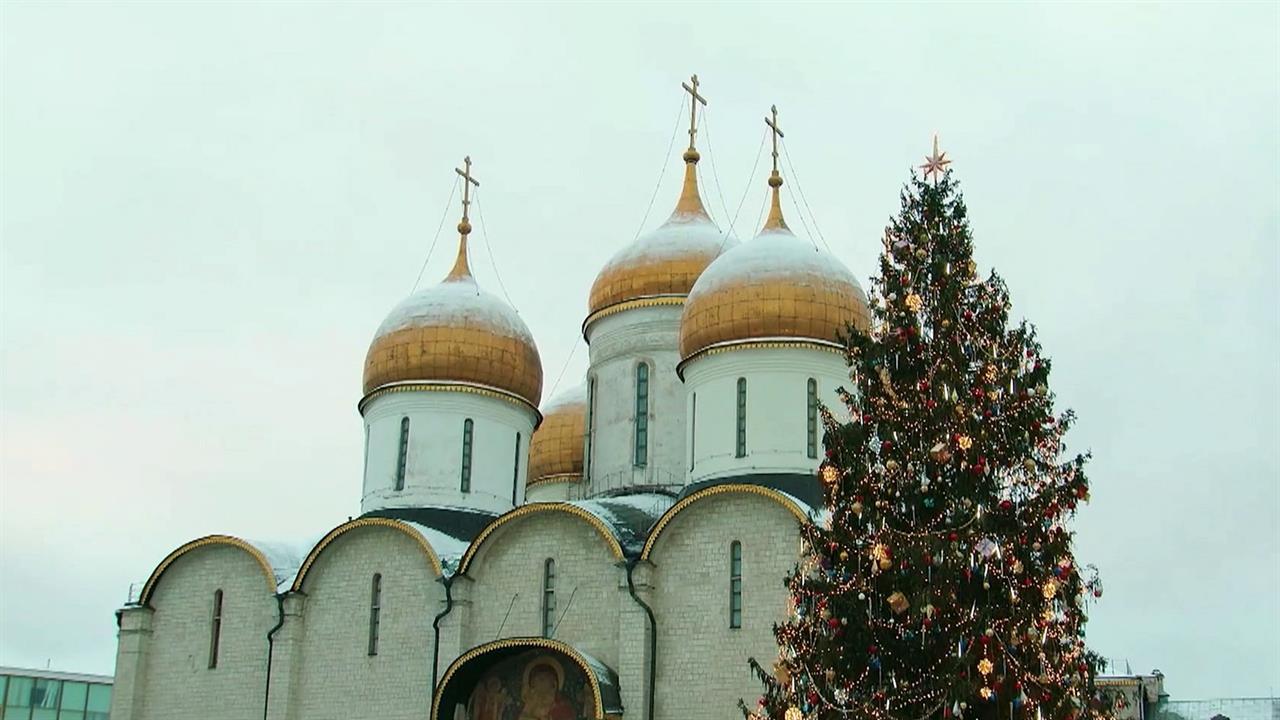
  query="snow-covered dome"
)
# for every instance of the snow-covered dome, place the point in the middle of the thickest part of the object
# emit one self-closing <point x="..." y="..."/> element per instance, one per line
<point x="455" y="332"/>
<point x="775" y="286"/>
<point x="665" y="263"/>
<point x="556" y="450"/>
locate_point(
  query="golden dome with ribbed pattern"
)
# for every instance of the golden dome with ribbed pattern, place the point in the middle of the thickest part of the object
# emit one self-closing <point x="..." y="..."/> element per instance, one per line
<point x="556" y="449"/>
<point x="666" y="262"/>
<point x="455" y="332"/>
<point x="774" y="287"/>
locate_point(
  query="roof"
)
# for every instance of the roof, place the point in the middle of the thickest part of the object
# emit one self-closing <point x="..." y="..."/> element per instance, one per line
<point x="56" y="675"/>
<point x="628" y="517"/>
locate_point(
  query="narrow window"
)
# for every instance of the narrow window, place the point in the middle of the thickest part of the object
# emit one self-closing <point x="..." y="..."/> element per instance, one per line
<point x="693" y="432"/>
<point x="366" y="453"/>
<point x="515" y="473"/>
<point x="735" y="585"/>
<point x="375" y="612"/>
<point x="215" y="629"/>
<point x="742" y="418"/>
<point x="403" y="459"/>
<point x="812" y="419"/>
<point x="642" y="414"/>
<point x="591" y="427"/>
<point x="467" y="430"/>
<point x="548" y="598"/>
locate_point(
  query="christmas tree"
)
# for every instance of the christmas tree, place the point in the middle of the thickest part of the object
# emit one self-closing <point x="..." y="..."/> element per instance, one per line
<point x="941" y="582"/>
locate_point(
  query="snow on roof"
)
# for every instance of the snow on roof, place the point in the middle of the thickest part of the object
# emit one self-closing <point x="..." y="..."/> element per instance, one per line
<point x="576" y="395"/>
<point x="285" y="557"/>
<point x="771" y="256"/>
<point x="630" y="517"/>
<point x="607" y="678"/>
<point x="447" y="547"/>
<point x="678" y="237"/>
<point x="456" y="303"/>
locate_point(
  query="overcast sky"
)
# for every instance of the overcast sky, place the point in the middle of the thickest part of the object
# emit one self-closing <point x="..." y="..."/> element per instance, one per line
<point x="208" y="209"/>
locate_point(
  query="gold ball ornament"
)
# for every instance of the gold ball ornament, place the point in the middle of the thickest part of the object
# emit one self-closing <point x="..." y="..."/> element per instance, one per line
<point x="1050" y="589"/>
<point x="914" y="303"/>
<point x="1029" y="465"/>
<point x="793" y="713"/>
<point x="856" y="508"/>
<point x="985" y="666"/>
<point x="965" y="442"/>
<point x="830" y="474"/>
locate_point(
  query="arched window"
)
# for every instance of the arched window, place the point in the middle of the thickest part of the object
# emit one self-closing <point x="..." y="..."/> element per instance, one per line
<point x="735" y="585"/>
<point x="375" y="612"/>
<point x="515" y="472"/>
<point x="812" y="419"/>
<point x="693" y="431"/>
<point x="741" y="450"/>
<point x="403" y="459"/>
<point x="468" y="428"/>
<point x="548" y="598"/>
<point x="215" y="629"/>
<point x="642" y="415"/>
<point x="591" y="428"/>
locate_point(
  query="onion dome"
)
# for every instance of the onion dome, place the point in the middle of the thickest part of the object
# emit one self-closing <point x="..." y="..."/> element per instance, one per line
<point x="661" y="266"/>
<point x="774" y="287"/>
<point x="556" y="449"/>
<point x="457" y="333"/>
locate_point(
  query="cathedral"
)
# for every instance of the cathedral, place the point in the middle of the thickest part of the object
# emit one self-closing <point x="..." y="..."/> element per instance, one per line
<point x="616" y="551"/>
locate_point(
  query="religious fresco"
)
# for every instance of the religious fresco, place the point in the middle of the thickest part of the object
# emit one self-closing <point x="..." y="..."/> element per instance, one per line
<point x="535" y="685"/>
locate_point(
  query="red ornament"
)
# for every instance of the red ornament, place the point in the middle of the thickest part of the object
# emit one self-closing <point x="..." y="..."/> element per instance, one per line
<point x="886" y="445"/>
<point x="1006" y="505"/>
<point x="930" y="404"/>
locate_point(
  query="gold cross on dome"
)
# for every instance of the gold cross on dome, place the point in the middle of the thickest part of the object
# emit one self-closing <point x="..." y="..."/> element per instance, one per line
<point x="936" y="163"/>
<point x="777" y="133"/>
<point x="468" y="181"/>
<point x="693" y="107"/>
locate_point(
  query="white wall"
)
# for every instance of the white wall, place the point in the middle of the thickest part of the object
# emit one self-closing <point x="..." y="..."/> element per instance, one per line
<point x="434" y="469"/>
<point x="702" y="662"/>
<point x="548" y="491"/>
<point x="177" y="679"/>
<point x="617" y="344"/>
<point x="777" y="409"/>
<point x="507" y="575"/>
<point x="337" y="679"/>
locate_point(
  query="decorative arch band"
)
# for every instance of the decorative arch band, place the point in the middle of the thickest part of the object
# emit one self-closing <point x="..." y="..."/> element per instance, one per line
<point x="543" y="643"/>
<point x="149" y="588"/>
<point x="730" y="488"/>
<point x="732" y="345"/>
<point x="457" y="387"/>
<point x="640" y="302"/>
<point x="540" y="507"/>
<point x="347" y="527"/>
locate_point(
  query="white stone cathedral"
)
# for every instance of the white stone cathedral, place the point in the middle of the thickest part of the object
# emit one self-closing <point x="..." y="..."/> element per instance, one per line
<point x="619" y="553"/>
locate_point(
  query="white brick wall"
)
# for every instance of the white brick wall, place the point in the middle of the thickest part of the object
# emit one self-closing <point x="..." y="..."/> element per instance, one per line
<point x="702" y="663"/>
<point x="337" y="679"/>
<point x="322" y="649"/>
<point x="507" y="574"/>
<point x="178" y="682"/>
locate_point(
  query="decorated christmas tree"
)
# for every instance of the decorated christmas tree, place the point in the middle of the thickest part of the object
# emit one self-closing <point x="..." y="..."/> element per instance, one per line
<point x="941" y="582"/>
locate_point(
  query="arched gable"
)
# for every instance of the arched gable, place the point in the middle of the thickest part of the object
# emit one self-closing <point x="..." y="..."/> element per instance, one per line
<point x="432" y="557"/>
<point x="611" y="541"/>
<point x="149" y="588"/>
<point x="787" y="502"/>
<point x="601" y="679"/>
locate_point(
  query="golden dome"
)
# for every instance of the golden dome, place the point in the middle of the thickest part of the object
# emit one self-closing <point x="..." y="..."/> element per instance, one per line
<point x="666" y="262"/>
<point x="555" y="452"/>
<point x="774" y="287"/>
<point x="456" y="333"/>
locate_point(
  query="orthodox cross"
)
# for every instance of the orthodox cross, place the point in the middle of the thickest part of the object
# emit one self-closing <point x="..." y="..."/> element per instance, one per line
<point x="693" y="107"/>
<point x="467" y="182"/>
<point x="777" y="133"/>
<point x="936" y="163"/>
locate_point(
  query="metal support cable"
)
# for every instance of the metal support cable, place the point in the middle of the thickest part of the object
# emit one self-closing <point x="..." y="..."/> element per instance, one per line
<point x="445" y="215"/>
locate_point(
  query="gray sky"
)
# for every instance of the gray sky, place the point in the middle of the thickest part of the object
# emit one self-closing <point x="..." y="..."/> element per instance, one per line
<point x="208" y="209"/>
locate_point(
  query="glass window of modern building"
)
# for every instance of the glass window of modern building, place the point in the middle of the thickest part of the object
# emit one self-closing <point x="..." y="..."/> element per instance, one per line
<point x="50" y="695"/>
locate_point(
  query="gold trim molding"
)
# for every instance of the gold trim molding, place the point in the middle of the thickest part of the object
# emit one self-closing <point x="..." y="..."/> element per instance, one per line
<point x="539" y="507"/>
<point x="149" y="587"/>
<point x="724" y="347"/>
<point x="640" y="302"/>
<point x="458" y="387"/>
<point x="524" y="642"/>
<point x="743" y="488"/>
<point x="552" y="479"/>
<point x="346" y="527"/>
